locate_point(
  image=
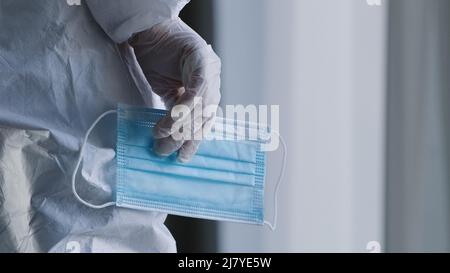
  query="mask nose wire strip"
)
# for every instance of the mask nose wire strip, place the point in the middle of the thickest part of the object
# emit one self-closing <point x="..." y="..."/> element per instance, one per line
<point x="273" y="225"/>
<point x="80" y="158"/>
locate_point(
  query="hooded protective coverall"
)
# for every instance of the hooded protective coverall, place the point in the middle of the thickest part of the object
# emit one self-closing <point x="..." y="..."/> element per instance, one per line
<point x="60" y="68"/>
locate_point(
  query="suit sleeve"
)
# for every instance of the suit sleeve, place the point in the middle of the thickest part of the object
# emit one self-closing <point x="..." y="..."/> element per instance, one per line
<point x="120" y="19"/>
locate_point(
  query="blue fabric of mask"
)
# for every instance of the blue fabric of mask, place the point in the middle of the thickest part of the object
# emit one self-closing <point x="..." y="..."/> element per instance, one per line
<point x="223" y="181"/>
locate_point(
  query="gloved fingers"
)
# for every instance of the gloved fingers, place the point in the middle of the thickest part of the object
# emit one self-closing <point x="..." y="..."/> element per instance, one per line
<point x="208" y="123"/>
<point x="162" y="84"/>
<point x="201" y="80"/>
<point x="164" y="128"/>
<point x="171" y="97"/>
<point x="184" y="71"/>
<point x="166" y="146"/>
<point x="187" y="150"/>
<point x="201" y="86"/>
<point x="169" y="125"/>
<point x="201" y="73"/>
<point x="190" y="147"/>
<point x="187" y="137"/>
<point x="162" y="48"/>
<point x="182" y="116"/>
<point x="194" y="128"/>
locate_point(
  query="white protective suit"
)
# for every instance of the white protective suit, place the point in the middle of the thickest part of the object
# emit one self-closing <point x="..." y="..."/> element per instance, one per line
<point x="59" y="70"/>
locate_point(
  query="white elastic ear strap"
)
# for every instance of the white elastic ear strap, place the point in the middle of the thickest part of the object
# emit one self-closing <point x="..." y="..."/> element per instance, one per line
<point x="273" y="225"/>
<point x="80" y="158"/>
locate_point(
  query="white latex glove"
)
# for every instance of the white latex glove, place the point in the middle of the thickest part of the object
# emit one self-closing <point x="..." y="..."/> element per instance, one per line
<point x="180" y="66"/>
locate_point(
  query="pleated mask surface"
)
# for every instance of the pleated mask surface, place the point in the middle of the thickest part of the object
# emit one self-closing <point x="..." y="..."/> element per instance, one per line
<point x="223" y="181"/>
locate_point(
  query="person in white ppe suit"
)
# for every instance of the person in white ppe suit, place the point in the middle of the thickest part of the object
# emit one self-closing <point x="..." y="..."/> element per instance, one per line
<point x="61" y="66"/>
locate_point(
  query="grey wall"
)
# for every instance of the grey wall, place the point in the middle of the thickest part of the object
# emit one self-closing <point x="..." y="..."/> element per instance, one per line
<point x="323" y="62"/>
<point x="418" y="126"/>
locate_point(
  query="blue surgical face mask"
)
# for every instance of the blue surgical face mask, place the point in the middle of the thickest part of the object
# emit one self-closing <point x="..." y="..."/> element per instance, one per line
<point x="223" y="181"/>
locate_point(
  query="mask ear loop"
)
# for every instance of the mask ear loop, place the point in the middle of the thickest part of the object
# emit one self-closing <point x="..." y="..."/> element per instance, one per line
<point x="80" y="158"/>
<point x="273" y="225"/>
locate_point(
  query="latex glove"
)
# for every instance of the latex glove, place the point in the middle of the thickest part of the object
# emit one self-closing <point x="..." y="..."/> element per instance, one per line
<point x="180" y="66"/>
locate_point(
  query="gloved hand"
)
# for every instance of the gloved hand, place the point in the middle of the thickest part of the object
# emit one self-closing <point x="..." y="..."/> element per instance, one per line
<point x="183" y="70"/>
